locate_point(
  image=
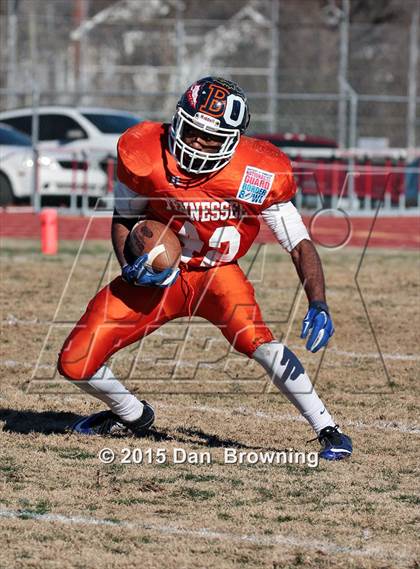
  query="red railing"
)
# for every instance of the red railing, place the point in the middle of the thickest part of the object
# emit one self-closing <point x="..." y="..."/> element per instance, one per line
<point x="364" y="178"/>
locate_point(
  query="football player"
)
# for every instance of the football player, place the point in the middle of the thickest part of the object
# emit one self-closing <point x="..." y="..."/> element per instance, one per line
<point x="202" y="177"/>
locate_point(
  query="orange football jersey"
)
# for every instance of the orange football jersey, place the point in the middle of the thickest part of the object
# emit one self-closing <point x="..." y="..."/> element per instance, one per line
<point x="216" y="216"/>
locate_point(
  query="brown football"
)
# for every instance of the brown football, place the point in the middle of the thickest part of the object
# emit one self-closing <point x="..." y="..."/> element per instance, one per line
<point x="158" y="241"/>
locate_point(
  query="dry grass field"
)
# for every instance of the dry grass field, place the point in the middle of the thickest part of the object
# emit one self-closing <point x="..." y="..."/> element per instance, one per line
<point x="60" y="507"/>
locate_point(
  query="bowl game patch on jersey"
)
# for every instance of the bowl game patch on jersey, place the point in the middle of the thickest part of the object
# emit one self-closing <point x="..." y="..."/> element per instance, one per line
<point x="255" y="185"/>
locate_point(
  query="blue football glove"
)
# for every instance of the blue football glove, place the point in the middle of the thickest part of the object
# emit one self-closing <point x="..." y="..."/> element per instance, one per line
<point x="138" y="274"/>
<point x="318" y="321"/>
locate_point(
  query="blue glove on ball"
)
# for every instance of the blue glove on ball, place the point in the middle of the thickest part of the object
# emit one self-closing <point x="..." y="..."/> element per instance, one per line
<point x="138" y="274"/>
<point x="319" y="323"/>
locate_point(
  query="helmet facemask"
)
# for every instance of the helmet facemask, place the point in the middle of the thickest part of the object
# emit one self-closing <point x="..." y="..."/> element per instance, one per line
<point x="196" y="161"/>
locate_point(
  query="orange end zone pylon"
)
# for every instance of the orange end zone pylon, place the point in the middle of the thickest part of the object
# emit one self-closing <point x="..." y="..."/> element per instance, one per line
<point x="49" y="231"/>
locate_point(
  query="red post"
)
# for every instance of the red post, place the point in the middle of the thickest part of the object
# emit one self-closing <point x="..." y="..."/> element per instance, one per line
<point x="110" y="173"/>
<point x="389" y="181"/>
<point x="368" y="190"/>
<point x="400" y="176"/>
<point x="74" y="167"/>
<point x="85" y="177"/>
<point x="320" y="175"/>
<point x="49" y="231"/>
<point x="335" y="173"/>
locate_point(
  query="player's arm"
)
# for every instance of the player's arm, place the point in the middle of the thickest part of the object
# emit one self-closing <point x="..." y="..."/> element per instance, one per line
<point x="309" y="268"/>
<point x="287" y="225"/>
<point x="120" y="228"/>
<point x="128" y="206"/>
<point x="132" y="169"/>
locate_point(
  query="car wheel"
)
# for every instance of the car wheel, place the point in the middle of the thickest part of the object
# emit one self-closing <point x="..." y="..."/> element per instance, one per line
<point x="6" y="192"/>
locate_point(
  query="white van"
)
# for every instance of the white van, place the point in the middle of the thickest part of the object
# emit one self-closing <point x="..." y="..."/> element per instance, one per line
<point x="93" y="129"/>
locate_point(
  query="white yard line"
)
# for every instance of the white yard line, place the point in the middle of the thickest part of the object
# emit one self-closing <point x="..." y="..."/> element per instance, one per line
<point x="26" y="365"/>
<point x="331" y="351"/>
<point x="327" y="547"/>
<point x="246" y="411"/>
<point x="373" y="355"/>
<point x="11" y="320"/>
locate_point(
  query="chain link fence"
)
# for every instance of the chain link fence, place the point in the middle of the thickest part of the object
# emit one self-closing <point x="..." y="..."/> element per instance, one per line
<point x="140" y="55"/>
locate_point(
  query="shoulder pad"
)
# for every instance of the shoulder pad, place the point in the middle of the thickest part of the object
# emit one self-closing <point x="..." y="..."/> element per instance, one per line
<point x="135" y="147"/>
<point x="270" y="155"/>
<point x="271" y="159"/>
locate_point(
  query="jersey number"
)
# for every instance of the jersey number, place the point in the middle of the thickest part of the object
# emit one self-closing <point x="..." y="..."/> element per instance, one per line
<point x="193" y="244"/>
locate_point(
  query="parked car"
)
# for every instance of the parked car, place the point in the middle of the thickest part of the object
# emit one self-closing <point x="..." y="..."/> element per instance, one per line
<point x="92" y="129"/>
<point x="61" y="173"/>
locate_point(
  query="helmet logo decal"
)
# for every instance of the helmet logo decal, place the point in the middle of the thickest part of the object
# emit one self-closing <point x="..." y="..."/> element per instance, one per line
<point x="206" y="120"/>
<point x="215" y="102"/>
<point x="192" y="94"/>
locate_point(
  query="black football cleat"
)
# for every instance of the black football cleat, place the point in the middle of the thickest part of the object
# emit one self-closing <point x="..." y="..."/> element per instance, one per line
<point x="144" y="422"/>
<point x="106" y="423"/>
<point x="335" y="445"/>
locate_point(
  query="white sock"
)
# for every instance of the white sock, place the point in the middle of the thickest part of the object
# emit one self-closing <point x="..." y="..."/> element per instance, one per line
<point x="105" y="387"/>
<point x="288" y="375"/>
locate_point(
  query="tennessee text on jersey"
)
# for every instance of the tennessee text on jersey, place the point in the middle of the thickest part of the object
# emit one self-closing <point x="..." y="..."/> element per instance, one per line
<point x="206" y="210"/>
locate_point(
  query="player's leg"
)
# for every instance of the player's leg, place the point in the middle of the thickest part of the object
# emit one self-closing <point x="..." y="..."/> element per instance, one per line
<point x="117" y="316"/>
<point x="289" y="376"/>
<point x="226" y="298"/>
<point x="229" y="302"/>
